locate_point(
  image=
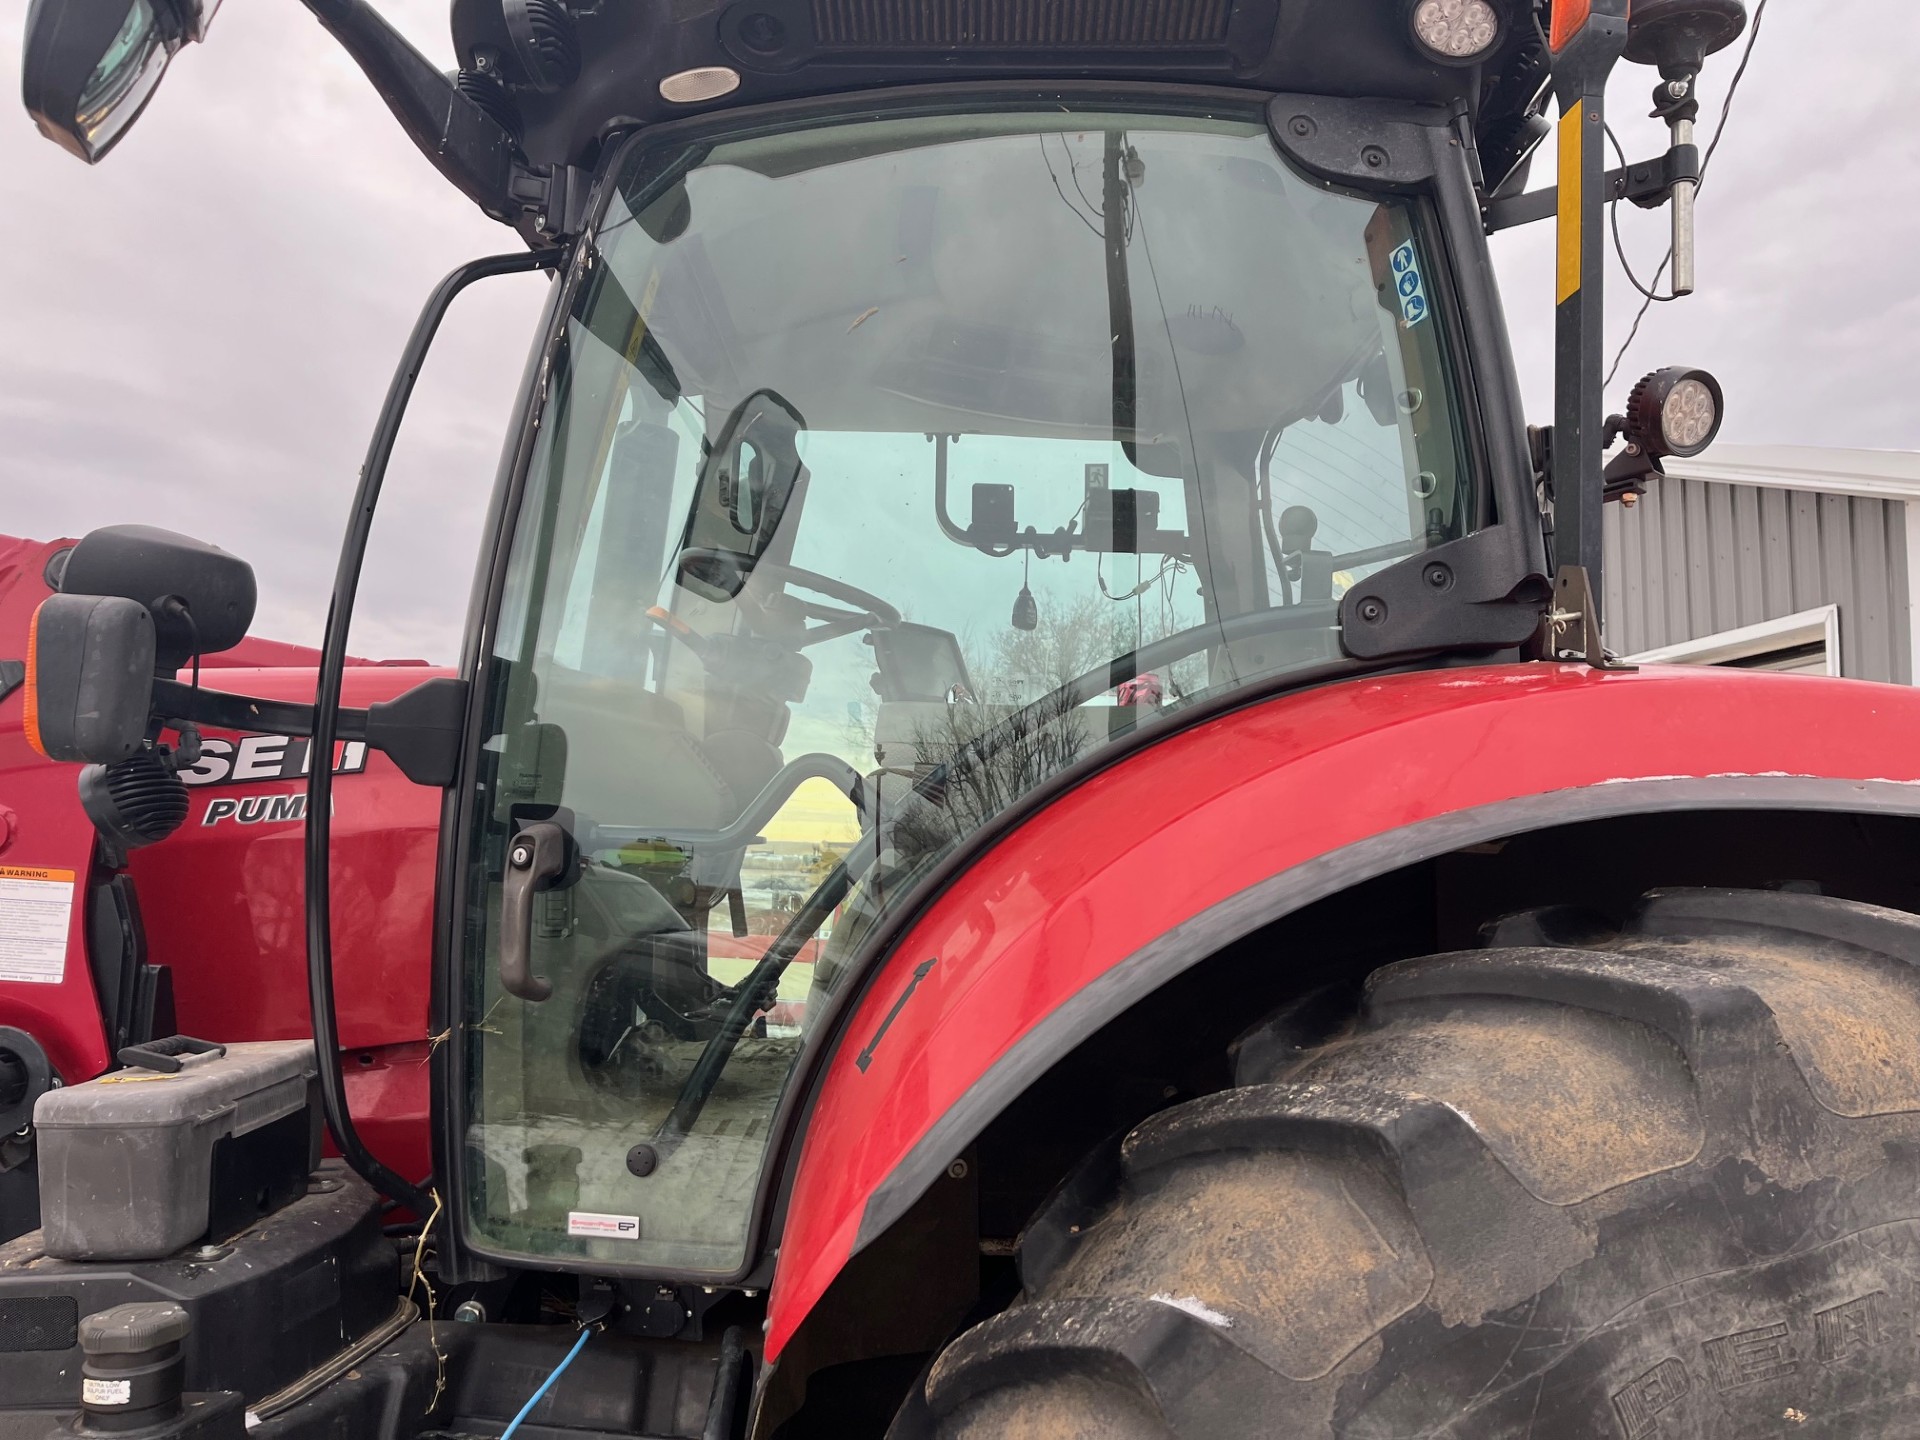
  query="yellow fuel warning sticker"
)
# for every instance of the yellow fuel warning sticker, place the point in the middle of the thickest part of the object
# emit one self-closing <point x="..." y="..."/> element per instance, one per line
<point x="36" y="908"/>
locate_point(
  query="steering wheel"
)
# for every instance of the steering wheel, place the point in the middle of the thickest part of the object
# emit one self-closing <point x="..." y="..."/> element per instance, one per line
<point x="1307" y="615"/>
<point x="862" y="610"/>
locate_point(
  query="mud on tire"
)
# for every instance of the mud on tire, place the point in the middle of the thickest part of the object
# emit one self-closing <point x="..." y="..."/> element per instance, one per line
<point x="1657" y="1183"/>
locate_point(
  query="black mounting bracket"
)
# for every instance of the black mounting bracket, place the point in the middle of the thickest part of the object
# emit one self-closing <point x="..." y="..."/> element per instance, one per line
<point x="553" y="202"/>
<point x="464" y="139"/>
<point x="1376" y="143"/>
<point x="1626" y="474"/>
<point x="1571" y="629"/>
<point x="1458" y="595"/>
<point x="421" y="729"/>
<point x="1648" y="183"/>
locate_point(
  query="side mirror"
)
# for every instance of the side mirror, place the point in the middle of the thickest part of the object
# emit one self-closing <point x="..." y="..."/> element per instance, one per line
<point x="746" y="483"/>
<point x="90" y="665"/>
<point x="90" y="66"/>
<point x="199" y="598"/>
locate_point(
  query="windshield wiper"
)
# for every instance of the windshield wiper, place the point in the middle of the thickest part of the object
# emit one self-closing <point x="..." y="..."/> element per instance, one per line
<point x="760" y="990"/>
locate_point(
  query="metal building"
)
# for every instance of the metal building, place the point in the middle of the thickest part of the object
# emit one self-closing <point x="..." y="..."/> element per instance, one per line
<point x="1776" y="557"/>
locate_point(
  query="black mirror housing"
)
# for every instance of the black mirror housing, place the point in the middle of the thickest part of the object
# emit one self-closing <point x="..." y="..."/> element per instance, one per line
<point x="199" y="597"/>
<point x="746" y="483"/>
<point x="90" y="661"/>
<point x="90" y="66"/>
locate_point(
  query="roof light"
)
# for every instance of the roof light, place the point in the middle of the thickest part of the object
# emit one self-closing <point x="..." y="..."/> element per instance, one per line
<point x="545" y="41"/>
<point x="704" y="82"/>
<point x="1675" y="411"/>
<point x="1455" y="32"/>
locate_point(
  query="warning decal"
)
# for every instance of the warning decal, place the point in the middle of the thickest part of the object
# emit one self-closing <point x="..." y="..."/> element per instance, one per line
<point x="105" y="1392"/>
<point x="34" y="909"/>
<point x="603" y="1227"/>
<point x="1407" y="285"/>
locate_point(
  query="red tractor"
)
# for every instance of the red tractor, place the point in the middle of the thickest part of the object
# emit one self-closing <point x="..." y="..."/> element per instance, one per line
<point x="217" y="960"/>
<point x="819" y="966"/>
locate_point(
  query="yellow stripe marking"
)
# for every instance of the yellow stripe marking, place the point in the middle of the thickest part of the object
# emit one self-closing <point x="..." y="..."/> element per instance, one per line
<point x="1569" y="221"/>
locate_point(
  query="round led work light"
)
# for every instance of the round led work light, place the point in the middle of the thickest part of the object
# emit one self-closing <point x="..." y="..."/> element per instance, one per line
<point x="1675" y="411"/>
<point x="1455" y="32"/>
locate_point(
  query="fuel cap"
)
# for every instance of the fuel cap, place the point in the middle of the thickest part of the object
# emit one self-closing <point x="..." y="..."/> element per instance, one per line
<point x="132" y="1371"/>
<point x="134" y="1329"/>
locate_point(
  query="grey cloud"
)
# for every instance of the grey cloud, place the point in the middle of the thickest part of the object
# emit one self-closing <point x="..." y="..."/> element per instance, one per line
<point x="198" y="332"/>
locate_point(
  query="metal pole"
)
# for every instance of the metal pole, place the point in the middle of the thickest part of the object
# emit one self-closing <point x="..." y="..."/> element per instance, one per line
<point x="1580" y="68"/>
<point x="1683" y="191"/>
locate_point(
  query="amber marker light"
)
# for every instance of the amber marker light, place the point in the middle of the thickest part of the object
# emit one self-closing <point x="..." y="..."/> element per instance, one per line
<point x="1568" y="18"/>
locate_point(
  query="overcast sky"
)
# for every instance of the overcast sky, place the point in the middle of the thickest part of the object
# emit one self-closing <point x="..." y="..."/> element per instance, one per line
<point x="197" y="333"/>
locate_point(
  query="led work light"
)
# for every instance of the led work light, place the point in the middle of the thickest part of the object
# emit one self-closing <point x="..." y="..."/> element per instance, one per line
<point x="1675" y="411"/>
<point x="1455" y="32"/>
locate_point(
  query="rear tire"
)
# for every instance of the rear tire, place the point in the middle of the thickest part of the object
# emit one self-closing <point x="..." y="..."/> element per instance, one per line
<point x="1657" y="1183"/>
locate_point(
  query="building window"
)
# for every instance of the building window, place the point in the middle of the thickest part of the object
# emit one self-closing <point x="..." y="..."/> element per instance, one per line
<point x="1807" y="643"/>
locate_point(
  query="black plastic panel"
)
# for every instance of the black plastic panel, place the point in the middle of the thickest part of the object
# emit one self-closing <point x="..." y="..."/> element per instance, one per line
<point x="271" y="1304"/>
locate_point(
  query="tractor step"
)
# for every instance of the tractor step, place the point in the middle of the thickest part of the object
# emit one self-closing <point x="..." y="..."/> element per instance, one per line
<point x="267" y="1306"/>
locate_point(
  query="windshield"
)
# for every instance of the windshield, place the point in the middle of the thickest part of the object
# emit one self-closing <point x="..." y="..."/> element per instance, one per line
<point x="888" y="469"/>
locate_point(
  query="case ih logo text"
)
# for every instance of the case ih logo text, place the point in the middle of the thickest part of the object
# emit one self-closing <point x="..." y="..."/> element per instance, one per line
<point x="255" y="809"/>
<point x="266" y="757"/>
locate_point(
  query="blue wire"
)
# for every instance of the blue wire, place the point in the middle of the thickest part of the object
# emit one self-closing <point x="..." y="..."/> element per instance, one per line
<point x="546" y="1385"/>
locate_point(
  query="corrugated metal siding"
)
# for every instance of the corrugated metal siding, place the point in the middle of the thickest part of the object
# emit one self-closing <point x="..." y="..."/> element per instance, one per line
<point x="1696" y="557"/>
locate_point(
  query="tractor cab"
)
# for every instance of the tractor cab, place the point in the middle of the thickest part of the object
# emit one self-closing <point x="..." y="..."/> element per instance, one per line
<point x="892" y="467"/>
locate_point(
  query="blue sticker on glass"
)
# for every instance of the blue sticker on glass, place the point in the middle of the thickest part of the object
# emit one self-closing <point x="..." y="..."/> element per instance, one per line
<point x="1408" y="285"/>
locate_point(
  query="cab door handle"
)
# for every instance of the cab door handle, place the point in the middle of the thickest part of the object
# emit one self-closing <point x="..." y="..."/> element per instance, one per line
<point x="537" y="858"/>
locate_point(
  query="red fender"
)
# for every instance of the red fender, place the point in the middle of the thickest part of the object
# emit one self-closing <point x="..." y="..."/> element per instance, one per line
<point x="1195" y="830"/>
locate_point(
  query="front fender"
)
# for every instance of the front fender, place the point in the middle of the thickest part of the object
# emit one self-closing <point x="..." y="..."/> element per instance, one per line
<point x="1213" y="832"/>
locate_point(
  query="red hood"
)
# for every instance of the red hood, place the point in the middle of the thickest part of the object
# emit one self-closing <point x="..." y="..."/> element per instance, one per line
<point x="23" y="566"/>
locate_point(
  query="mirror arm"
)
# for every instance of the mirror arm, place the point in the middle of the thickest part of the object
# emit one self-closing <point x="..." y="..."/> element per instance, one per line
<point x="419" y="729"/>
<point x="248" y="714"/>
<point x="327" y="715"/>
<point x="465" y="144"/>
<point x="952" y="531"/>
<point x="1646" y="183"/>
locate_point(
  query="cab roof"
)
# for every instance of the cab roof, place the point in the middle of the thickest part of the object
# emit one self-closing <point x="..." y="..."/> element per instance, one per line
<point x="577" y="70"/>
